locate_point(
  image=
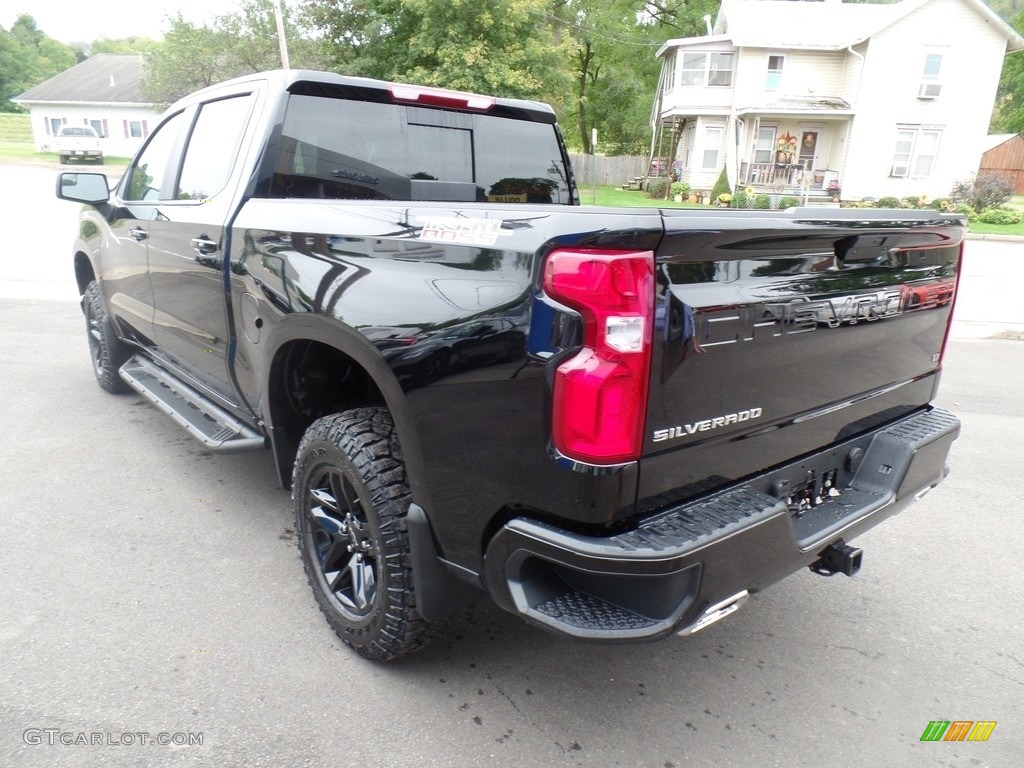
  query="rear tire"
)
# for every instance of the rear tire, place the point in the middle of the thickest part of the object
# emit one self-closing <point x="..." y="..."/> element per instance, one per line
<point x="108" y="353"/>
<point x="351" y="497"/>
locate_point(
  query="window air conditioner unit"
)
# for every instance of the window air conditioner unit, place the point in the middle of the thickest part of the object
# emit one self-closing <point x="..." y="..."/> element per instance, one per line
<point x="929" y="91"/>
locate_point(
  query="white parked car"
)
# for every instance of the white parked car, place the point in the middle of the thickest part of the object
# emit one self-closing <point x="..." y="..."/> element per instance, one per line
<point x="80" y="142"/>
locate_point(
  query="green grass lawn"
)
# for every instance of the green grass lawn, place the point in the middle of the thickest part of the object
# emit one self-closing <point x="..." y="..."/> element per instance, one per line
<point x="25" y="152"/>
<point x="15" y="127"/>
<point x="997" y="229"/>
<point x="617" y="197"/>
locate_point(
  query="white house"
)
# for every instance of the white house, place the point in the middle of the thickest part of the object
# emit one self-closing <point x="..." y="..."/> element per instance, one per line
<point x="860" y="100"/>
<point x="103" y="91"/>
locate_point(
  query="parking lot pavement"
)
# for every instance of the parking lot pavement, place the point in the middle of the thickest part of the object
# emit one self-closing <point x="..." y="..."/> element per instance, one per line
<point x="151" y="587"/>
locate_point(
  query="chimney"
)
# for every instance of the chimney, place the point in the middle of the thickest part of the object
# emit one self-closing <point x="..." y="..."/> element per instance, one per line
<point x="707" y="23"/>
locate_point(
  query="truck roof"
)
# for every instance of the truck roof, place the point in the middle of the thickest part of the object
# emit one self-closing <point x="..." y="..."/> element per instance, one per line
<point x="330" y="84"/>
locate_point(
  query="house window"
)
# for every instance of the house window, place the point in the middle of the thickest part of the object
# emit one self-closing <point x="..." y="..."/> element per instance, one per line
<point x="670" y="73"/>
<point x="764" y="147"/>
<point x="916" y="151"/>
<point x="931" y="85"/>
<point x="712" y="147"/>
<point x="707" y="68"/>
<point x="774" y="79"/>
<point x="721" y="69"/>
<point x="100" y="126"/>
<point x="135" y="129"/>
<point x="55" y="125"/>
<point x="691" y="137"/>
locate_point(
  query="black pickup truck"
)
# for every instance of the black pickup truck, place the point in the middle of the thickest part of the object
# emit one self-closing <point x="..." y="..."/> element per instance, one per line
<point x="616" y="423"/>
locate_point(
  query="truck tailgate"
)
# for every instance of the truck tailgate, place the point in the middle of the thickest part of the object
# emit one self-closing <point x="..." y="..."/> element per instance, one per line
<point x="777" y="335"/>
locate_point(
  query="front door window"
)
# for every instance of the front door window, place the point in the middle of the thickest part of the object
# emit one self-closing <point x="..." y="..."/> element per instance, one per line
<point x="808" y="149"/>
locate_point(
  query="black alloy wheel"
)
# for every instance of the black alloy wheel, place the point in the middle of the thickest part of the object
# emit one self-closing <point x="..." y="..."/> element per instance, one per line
<point x="346" y="555"/>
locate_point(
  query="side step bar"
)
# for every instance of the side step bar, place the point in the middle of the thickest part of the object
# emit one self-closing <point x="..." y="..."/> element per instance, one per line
<point x="203" y="419"/>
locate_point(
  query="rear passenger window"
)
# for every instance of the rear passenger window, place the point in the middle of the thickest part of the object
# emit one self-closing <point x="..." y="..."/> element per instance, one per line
<point x="212" y="148"/>
<point x="356" y="150"/>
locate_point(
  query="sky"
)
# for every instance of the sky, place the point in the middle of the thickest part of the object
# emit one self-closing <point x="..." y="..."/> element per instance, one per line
<point x="73" y="21"/>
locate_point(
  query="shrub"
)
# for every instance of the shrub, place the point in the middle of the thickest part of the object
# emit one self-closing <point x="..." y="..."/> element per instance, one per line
<point x="911" y="201"/>
<point x="762" y="202"/>
<point x="999" y="216"/>
<point x="656" y="188"/>
<point x="725" y="199"/>
<point x="941" y="204"/>
<point x="788" y="202"/>
<point x="721" y="186"/>
<point x="989" y="189"/>
<point x="887" y="202"/>
<point x="966" y="210"/>
<point x="679" y="188"/>
<point x="739" y="200"/>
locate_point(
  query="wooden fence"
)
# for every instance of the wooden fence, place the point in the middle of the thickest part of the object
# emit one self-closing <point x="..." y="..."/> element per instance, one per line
<point x="606" y="171"/>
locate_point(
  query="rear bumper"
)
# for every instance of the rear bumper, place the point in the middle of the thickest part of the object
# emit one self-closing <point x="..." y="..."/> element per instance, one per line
<point x="681" y="565"/>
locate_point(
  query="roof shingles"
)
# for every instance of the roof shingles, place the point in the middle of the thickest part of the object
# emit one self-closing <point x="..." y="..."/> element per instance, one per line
<point x="101" y="79"/>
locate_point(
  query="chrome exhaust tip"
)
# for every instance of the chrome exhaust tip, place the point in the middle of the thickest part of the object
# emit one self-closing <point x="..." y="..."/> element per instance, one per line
<point x="716" y="612"/>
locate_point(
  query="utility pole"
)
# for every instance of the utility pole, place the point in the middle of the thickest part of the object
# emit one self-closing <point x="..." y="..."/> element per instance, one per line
<point x="280" y="34"/>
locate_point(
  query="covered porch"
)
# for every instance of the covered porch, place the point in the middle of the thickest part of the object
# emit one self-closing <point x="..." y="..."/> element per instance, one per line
<point x="798" y="152"/>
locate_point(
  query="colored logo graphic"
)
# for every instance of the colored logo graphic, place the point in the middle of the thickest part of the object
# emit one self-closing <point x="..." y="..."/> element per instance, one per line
<point x="958" y="730"/>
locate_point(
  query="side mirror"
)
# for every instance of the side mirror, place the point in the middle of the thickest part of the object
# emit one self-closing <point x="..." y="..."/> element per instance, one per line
<point x="83" y="187"/>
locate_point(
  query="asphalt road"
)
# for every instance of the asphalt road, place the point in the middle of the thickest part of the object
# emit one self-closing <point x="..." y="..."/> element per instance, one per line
<point x="150" y="587"/>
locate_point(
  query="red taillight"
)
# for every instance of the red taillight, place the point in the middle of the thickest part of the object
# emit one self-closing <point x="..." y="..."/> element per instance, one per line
<point x="439" y="97"/>
<point x="600" y="394"/>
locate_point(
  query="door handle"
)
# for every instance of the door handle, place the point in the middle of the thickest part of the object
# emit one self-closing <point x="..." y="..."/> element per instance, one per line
<point x="204" y="245"/>
<point x="138" y="234"/>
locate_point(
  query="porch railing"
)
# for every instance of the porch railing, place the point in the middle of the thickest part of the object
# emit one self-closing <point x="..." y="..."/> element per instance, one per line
<point x="770" y="174"/>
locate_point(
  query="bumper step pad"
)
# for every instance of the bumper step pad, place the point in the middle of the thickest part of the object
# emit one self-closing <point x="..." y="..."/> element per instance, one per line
<point x="588" y="613"/>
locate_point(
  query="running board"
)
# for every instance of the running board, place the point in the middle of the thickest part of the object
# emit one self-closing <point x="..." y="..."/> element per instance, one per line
<point x="202" y="418"/>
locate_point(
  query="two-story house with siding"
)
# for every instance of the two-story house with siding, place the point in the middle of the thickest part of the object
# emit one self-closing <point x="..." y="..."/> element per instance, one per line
<point x="833" y="99"/>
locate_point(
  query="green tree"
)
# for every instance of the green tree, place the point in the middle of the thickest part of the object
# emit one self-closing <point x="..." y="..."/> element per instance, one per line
<point x="613" y="65"/>
<point x="483" y="45"/>
<point x="501" y="47"/>
<point x="27" y="58"/>
<point x="138" y="45"/>
<point x="1008" y="114"/>
<point x="192" y="57"/>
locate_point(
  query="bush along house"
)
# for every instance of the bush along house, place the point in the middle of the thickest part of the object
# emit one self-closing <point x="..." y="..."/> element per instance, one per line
<point x="827" y="100"/>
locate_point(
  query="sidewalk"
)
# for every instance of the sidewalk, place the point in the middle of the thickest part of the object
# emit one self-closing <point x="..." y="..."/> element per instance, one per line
<point x="997" y="238"/>
<point x="989" y="301"/>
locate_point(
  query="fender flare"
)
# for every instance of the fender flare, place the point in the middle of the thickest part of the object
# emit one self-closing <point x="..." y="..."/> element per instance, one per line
<point x="348" y="341"/>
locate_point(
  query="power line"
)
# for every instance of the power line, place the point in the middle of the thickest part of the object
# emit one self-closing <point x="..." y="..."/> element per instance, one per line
<point x="592" y="33"/>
